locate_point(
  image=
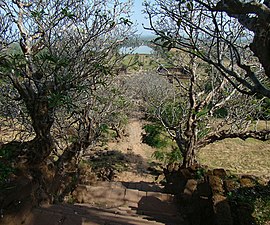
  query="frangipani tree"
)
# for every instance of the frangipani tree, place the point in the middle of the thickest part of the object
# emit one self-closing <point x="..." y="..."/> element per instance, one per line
<point x="230" y="35"/>
<point x="200" y="109"/>
<point x="57" y="62"/>
<point x="223" y="37"/>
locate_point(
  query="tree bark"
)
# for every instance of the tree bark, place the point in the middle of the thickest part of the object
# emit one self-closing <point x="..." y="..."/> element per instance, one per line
<point x="190" y="153"/>
<point x="191" y="125"/>
<point x="42" y="120"/>
<point x="262" y="135"/>
<point x="260" y="45"/>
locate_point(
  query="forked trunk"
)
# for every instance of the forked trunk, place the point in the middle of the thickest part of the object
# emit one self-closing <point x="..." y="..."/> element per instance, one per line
<point x="67" y="170"/>
<point x="190" y="153"/>
<point x="189" y="157"/>
<point x="188" y="150"/>
<point x="42" y="120"/>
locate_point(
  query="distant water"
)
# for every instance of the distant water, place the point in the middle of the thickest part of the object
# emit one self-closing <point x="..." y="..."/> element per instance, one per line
<point x="138" y="50"/>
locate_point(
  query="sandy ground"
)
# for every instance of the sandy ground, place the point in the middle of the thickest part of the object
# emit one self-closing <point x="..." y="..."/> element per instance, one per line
<point x="133" y="141"/>
<point x="133" y="144"/>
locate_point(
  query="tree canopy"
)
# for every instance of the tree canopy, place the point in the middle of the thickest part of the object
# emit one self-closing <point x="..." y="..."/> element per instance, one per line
<point x="231" y="35"/>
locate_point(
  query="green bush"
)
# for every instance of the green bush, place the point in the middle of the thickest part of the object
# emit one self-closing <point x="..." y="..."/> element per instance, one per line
<point x="154" y="136"/>
<point x="221" y="113"/>
<point x="173" y="156"/>
<point x="6" y="167"/>
<point x="258" y="197"/>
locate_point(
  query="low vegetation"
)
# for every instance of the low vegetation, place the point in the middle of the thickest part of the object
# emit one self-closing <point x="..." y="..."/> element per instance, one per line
<point x="241" y="157"/>
<point x="256" y="198"/>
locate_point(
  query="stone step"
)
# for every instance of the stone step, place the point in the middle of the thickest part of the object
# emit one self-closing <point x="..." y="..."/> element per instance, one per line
<point x="143" y="186"/>
<point x="112" y="195"/>
<point x="87" y="215"/>
<point x="112" y="203"/>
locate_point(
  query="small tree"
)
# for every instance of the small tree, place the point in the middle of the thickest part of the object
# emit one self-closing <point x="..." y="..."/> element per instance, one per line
<point x="57" y="63"/>
<point x="199" y="110"/>
<point x="59" y="51"/>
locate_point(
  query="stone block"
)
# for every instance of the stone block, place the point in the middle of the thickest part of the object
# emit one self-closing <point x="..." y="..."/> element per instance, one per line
<point x="132" y="196"/>
<point x="216" y="184"/>
<point x="117" y="194"/>
<point x="231" y="185"/>
<point x="247" y="182"/>
<point x="222" y="210"/>
<point x="220" y="173"/>
<point x="190" y="187"/>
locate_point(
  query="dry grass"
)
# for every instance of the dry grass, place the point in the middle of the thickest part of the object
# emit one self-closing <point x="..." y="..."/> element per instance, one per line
<point x="240" y="157"/>
<point x="14" y="132"/>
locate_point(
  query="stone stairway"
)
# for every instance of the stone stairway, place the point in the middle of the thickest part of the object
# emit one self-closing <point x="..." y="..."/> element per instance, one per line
<point x="112" y="203"/>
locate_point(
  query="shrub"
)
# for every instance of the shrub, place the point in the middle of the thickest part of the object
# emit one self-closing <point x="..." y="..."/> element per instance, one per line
<point x="154" y="136"/>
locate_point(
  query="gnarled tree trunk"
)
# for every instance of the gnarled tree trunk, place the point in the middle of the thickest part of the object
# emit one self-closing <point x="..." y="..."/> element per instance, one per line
<point x="42" y="120"/>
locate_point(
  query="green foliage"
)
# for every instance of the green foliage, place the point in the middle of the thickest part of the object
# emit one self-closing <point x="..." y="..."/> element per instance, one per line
<point x="108" y="163"/>
<point x="258" y="198"/>
<point x="202" y="112"/>
<point x="221" y="113"/>
<point x="59" y="99"/>
<point x="67" y="13"/>
<point x="262" y="210"/>
<point x="104" y="128"/>
<point x="173" y="156"/>
<point x="266" y="109"/>
<point x="154" y="136"/>
<point x="159" y="155"/>
<point x="172" y="112"/>
<point x="6" y="168"/>
<point x="126" y="21"/>
<point x="57" y="61"/>
<point x="199" y="174"/>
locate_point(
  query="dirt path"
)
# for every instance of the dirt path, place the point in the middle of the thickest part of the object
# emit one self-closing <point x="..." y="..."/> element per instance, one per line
<point x="136" y="199"/>
<point x="133" y="144"/>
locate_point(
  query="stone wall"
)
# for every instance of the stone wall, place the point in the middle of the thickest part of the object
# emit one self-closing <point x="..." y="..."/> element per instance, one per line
<point x="204" y="195"/>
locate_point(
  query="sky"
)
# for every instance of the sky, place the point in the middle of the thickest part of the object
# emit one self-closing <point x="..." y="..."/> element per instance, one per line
<point x="139" y="17"/>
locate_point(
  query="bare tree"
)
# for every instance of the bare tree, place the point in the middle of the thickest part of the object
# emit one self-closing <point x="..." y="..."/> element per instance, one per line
<point x="201" y="109"/>
<point x="231" y="35"/>
<point x="57" y="63"/>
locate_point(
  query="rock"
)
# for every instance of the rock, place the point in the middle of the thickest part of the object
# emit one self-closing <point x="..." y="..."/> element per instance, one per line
<point x="231" y="185"/>
<point x="79" y="193"/>
<point x="190" y="187"/>
<point x="209" y="172"/>
<point x="220" y="173"/>
<point x="194" y="167"/>
<point x="247" y="182"/>
<point x="222" y="210"/>
<point x="186" y="174"/>
<point x="216" y="184"/>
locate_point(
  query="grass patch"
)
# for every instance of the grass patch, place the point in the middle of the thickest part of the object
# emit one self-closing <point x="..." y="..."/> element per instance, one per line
<point x="240" y="157"/>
